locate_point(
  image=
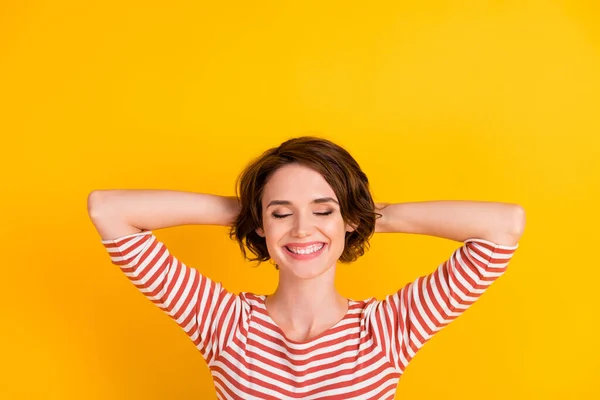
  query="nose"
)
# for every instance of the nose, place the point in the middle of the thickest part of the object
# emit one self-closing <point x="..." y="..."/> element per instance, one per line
<point x="303" y="226"/>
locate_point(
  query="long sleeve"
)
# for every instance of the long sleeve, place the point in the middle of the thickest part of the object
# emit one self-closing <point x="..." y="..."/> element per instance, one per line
<point x="201" y="307"/>
<point x="404" y="321"/>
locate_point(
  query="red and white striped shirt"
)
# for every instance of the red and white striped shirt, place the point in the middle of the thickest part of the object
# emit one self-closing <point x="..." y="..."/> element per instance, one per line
<point x="361" y="357"/>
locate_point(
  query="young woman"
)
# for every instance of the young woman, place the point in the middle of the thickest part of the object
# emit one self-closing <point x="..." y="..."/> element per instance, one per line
<point x="305" y="205"/>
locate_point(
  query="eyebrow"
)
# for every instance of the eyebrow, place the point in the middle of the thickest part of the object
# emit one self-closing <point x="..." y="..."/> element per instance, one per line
<point x="315" y="201"/>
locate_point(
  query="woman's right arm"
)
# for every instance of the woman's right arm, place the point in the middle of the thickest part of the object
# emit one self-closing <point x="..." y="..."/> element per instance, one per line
<point x="116" y="213"/>
<point x="204" y="309"/>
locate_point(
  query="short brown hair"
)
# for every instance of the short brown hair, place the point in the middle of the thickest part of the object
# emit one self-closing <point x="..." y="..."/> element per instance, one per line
<point x="341" y="172"/>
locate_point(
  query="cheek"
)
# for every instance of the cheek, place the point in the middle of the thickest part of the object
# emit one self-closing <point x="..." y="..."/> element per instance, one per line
<point x="275" y="235"/>
<point x="274" y="231"/>
<point x="334" y="228"/>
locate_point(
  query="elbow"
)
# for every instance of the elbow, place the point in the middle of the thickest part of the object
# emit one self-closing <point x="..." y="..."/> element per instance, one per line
<point x="517" y="226"/>
<point x="513" y="226"/>
<point x="91" y="202"/>
<point x="519" y="221"/>
<point x="94" y="203"/>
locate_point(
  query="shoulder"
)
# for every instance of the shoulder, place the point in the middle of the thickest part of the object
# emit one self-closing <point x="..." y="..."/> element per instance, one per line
<point x="252" y="299"/>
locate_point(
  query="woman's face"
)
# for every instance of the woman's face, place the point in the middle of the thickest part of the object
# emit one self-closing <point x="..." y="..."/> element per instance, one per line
<point x="302" y="223"/>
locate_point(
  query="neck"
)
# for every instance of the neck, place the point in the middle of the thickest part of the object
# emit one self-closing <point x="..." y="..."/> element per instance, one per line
<point x="304" y="303"/>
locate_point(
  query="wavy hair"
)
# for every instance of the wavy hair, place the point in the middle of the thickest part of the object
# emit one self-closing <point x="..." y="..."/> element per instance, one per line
<point x="339" y="169"/>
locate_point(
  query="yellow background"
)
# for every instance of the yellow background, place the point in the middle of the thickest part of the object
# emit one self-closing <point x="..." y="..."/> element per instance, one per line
<point x="477" y="100"/>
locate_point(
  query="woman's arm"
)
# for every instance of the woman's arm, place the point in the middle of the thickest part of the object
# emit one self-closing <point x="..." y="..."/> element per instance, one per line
<point x="200" y="306"/>
<point x="116" y="213"/>
<point x="408" y="318"/>
<point x="500" y="223"/>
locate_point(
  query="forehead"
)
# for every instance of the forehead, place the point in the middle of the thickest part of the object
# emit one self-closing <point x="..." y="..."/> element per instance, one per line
<point x="296" y="183"/>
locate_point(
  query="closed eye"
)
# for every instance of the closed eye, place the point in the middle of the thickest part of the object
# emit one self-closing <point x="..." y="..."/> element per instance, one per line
<point x="287" y="215"/>
<point x="324" y="213"/>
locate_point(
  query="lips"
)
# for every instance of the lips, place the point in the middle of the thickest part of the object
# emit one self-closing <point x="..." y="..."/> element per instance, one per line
<point x="309" y="256"/>
<point x="302" y="245"/>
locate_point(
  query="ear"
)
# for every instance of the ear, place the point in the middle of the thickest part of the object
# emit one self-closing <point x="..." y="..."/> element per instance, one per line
<point x="260" y="232"/>
<point x="350" y="227"/>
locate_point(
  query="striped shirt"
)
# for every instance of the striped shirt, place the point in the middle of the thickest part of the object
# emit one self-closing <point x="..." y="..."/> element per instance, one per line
<point x="361" y="357"/>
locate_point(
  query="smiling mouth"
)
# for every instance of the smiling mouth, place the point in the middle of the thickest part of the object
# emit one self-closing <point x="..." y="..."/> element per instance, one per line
<point x="305" y="253"/>
<point x="306" y="250"/>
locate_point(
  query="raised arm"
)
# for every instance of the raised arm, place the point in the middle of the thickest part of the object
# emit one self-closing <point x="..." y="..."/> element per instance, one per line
<point x="501" y="223"/>
<point x="117" y="213"/>
<point x="405" y="320"/>
<point x="204" y="309"/>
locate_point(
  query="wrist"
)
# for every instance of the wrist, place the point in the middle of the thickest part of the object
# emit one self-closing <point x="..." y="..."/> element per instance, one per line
<point x="381" y="221"/>
<point x="232" y="209"/>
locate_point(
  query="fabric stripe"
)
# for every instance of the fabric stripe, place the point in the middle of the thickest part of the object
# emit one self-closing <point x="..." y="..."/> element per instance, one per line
<point x="361" y="357"/>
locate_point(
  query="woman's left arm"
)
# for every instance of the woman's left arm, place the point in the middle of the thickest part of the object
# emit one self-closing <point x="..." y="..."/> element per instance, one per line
<point x="406" y="319"/>
<point x="500" y="223"/>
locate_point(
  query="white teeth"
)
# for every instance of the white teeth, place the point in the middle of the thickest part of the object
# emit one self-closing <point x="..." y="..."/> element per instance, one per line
<point x="306" y="250"/>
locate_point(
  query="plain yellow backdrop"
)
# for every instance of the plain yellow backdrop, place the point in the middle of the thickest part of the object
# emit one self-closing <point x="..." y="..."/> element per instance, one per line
<point x="472" y="100"/>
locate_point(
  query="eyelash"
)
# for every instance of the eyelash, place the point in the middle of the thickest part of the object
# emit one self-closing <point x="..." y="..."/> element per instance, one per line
<point x="285" y="215"/>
